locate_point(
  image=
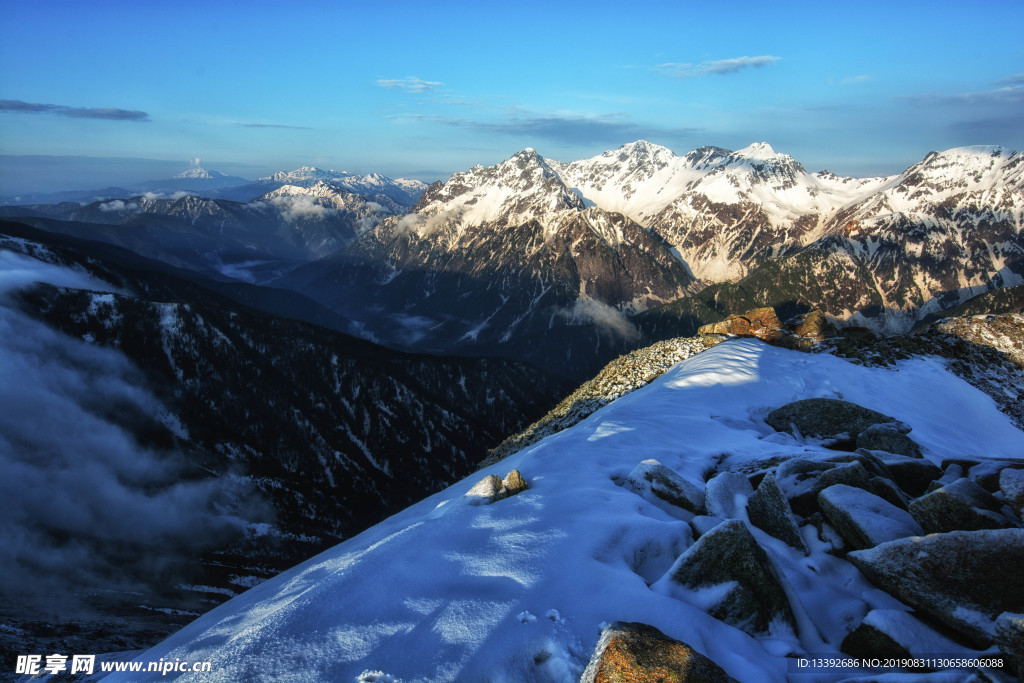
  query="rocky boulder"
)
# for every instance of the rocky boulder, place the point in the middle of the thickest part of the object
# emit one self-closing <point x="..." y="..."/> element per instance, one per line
<point x="961" y="505"/>
<point x="812" y="325"/>
<point x="663" y="487"/>
<point x="836" y="422"/>
<point x="893" y="633"/>
<point x="911" y="474"/>
<point x="965" y="579"/>
<point x="491" y="488"/>
<point x="1011" y="483"/>
<point x="762" y="323"/>
<point x="638" y="652"/>
<point x="890" y="437"/>
<point x="864" y="520"/>
<point x="802" y="479"/>
<point x="1010" y="639"/>
<point x="730" y="576"/>
<point x="769" y="511"/>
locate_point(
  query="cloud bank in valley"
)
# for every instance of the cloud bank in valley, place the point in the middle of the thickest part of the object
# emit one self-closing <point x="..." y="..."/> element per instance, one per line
<point x="87" y="505"/>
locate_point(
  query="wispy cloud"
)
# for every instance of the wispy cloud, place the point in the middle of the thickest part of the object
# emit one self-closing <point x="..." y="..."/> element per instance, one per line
<point x="1010" y="95"/>
<point x="409" y="84"/>
<point x="107" y="113"/>
<point x="272" y="125"/>
<point x="568" y="129"/>
<point x="863" y="78"/>
<point x="1016" y="79"/>
<point x="718" y="67"/>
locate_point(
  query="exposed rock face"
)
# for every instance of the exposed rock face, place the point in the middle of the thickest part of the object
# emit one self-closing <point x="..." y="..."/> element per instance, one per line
<point x="825" y="418"/>
<point x="813" y="325"/>
<point x="769" y="511"/>
<point x="762" y="323"/>
<point x="961" y="505"/>
<point x="727" y="494"/>
<point x="964" y="578"/>
<point x="637" y="652"/>
<point x="729" y="565"/>
<point x="664" y="487"/>
<point x="890" y="437"/>
<point x="865" y="520"/>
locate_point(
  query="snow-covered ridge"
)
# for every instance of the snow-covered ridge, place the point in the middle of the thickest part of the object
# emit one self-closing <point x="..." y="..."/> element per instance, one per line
<point x="520" y="589"/>
<point x="200" y="173"/>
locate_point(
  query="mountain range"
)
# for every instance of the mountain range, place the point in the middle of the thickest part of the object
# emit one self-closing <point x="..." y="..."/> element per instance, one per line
<point x="300" y="356"/>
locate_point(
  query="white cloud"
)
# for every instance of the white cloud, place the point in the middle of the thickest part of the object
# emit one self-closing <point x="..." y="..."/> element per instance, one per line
<point x="409" y="84"/>
<point x="717" y="67"/>
<point x="608" y="318"/>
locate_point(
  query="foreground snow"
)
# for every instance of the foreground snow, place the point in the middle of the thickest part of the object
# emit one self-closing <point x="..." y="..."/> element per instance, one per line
<point x="519" y="589"/>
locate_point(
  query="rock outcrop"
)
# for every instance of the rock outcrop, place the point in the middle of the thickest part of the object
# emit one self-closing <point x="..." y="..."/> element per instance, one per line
<point x="864" y="520"/>
<point x="825" y="418"/>
<point x="662" y="486"/>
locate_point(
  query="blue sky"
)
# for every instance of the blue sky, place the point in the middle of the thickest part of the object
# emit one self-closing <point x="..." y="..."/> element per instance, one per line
<point x="424" y="89"/>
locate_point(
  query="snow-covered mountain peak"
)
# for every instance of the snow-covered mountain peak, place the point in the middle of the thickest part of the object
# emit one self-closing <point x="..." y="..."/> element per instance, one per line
<point x="761" y="151"/>
<point x="199" y="173"/>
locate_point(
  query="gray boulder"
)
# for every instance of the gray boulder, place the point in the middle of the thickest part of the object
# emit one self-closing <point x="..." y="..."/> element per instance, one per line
<point x="1010" y="639"/>
<point x="889" y="492"/>
<point x="769" y="511"/>
<point x="1011" y="483"/>
<point x="864" y="520"/>
<point x="663" y="487"/>
<point x="890" y="437"/>
<point x="961" y="505"/>
<point x="701" y="524"/>
<point x="825" y="418"/>
<point x="726" y="494"/>
<point x="894" y="633"/>
<point x="638" y="652"/>
<point x="913" y="475"/>
<point x="802" y="479"/>
<point x="734" y="580"/>
<point x="485" y="491"/>
<point x="964" y="579"/>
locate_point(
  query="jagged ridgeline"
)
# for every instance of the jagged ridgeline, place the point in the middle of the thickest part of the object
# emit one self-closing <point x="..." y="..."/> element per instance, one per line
<point x="312" y="434"/>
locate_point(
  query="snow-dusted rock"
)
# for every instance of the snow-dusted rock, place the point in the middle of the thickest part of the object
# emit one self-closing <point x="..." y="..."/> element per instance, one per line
<point x="897" y="634"/>
<point x="1010" y="639"/>
<point x="701" y="524"/>
<point x="726" y="494"/>
<point x="890" y="437"/>
<point x="912" y="474"/>
<point x="665" y="488"/>
<point x="1011" y="483"/>
<point x="864" y="519"/>
<point x="888" y="491"/>
<point x="964" y="579"/>
<point x="959" y="505"/>
<point x="638" y="652"/>
<point x="487" y="490"/>
<point x="825" y="418"/>
<point x="730" y="576"/>
<point x="801" y="479"/>
<point x="769" y="511"/>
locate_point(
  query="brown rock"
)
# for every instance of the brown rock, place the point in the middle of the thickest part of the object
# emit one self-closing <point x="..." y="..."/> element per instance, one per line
<point x="514" y="483"/>
<point x="814" y="325"/>
<point x="629" y="652"/>
<point x="762" y="323"/>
